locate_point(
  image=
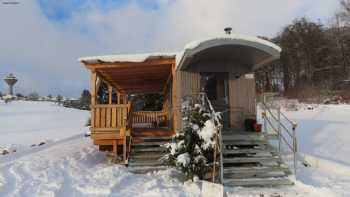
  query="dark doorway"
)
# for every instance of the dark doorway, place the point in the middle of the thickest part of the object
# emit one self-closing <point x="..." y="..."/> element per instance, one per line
<point x="215" y="85"/>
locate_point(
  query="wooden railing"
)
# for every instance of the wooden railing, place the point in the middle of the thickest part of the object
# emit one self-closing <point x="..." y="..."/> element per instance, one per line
<point x="149" y="119"/>
<point x="109" y="117"/>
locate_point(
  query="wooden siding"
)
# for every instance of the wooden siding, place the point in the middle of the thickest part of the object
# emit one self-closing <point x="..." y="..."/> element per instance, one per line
<point x="187" y="83"/>
<point x="242" y="100"/>
<point x="241" y="96"/>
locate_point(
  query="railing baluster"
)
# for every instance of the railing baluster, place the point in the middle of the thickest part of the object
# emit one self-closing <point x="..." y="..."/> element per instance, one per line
<point x="281" y="127"/>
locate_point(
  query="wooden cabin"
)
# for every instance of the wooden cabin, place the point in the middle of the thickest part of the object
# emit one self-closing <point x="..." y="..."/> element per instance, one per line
<point x="221" y="67"/>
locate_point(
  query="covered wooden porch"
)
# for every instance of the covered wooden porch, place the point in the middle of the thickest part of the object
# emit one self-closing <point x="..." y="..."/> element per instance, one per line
<point x="115" y="124"/>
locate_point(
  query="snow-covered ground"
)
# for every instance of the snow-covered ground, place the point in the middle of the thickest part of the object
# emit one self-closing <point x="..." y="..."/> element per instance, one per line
<point x="324" y="139"/>
<point x="69" y="165"/>
<point x="26" y="123"/>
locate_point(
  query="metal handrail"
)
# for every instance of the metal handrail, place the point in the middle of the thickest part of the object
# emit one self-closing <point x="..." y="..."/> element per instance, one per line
<point x="276" y="119"/>
<point x="280" y="128"/>
<point x="282" y="137"/>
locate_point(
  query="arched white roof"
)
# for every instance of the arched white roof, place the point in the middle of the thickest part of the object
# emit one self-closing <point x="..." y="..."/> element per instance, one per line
<point x="271" y="50"/>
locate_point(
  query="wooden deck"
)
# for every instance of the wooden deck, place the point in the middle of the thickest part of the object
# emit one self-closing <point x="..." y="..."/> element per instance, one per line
<point x="115" y="124"/>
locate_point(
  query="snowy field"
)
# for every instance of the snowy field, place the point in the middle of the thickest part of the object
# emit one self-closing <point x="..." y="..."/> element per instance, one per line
<point x="69" y="165"/>
<point x="26" y="123"/>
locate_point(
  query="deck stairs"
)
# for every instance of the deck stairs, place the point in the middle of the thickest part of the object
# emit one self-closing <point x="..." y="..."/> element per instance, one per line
<point x="250" y="161"/>
<point x="146" y="152"/>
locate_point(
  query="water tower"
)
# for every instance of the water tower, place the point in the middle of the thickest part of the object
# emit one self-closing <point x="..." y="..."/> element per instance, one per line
<point x="10" y="80"/>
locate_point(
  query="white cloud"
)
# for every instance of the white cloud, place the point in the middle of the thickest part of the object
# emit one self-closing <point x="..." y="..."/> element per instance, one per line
<point x="44" y="53"/>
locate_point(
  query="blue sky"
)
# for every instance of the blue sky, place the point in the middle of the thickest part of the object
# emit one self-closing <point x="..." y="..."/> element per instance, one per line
<point x="41" y="40"/>
<point x="61" y="11"/>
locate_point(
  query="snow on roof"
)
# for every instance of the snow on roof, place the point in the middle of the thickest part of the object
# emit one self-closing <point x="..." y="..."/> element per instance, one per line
<point x="231" y="39"/>
<point x="127" y="57"/>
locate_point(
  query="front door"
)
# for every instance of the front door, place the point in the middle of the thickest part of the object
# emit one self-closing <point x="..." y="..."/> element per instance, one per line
<point x="215" y="85"/>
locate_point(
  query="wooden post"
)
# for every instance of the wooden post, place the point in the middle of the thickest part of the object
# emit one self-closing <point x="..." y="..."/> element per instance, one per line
<point x="93" y="97"/>
<point x="122" y="98"/>
<point x="118" y="98"/>
<point x="174" y="99"/>
<point x="110" y="88"/>
<point x="125" y="99"/>
<point x="124" y="148"/>
<point x="115" y="148"/>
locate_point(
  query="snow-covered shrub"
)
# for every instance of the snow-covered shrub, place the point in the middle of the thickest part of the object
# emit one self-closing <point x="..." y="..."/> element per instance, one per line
<point x="192" y="148"/>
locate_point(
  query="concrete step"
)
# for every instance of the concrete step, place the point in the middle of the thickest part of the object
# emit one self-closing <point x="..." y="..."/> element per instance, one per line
<point x="256" y="147"/>
<point x="267" y="159"/>
<point x="248" y="151"/>
<point x="148" y="144"/>
<point x="244" y="137"/>
<point x="145" y="156"/>
<point x="145" y="163"/>
<point x="244" y="142"/>
<point x="256" y="169"/>
<point x="149" y="150"/>
<point x="144" y="170"/>
<point x="246" y="175"/>
<point x="151" y="139"/>
<point x="259" y="182"/>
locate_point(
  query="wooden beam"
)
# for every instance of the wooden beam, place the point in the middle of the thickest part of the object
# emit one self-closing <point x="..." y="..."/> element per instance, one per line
<point x="140" y="90"/>
<point x="136" y="68"/>
<point x="93" y="88"/>
<point x="100" y="65"/>
<point x="166" y="83"/>
<point x="108" y="80"/>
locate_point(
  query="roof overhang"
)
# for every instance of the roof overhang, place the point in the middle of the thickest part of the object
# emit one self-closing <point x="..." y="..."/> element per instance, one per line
<point x="251" y="51"/>
<point x="141" y="75"/>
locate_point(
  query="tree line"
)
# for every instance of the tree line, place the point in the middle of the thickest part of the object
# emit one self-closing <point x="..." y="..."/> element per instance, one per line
<point x="315" y="58"/>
